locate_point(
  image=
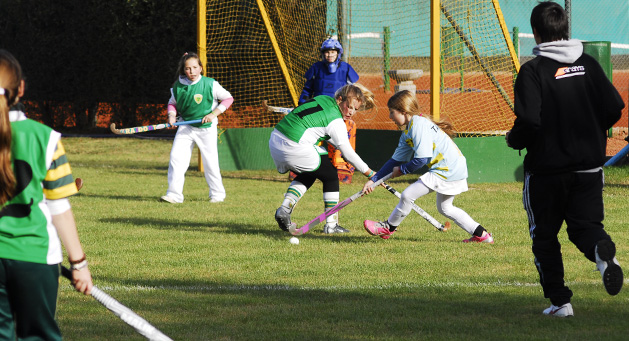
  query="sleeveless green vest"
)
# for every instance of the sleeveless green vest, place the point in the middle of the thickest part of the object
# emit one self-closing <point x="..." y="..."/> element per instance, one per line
<point x="194" y="101"/>
<point x="24" y="233"/>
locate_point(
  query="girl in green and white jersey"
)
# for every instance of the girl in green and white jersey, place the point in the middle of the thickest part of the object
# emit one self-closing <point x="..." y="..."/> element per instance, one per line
<point x="294" y="145"/>
<point x="35" y="183"/>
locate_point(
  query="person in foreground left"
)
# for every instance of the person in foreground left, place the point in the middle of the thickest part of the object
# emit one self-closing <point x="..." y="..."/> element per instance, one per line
<point x="35" y="183"/>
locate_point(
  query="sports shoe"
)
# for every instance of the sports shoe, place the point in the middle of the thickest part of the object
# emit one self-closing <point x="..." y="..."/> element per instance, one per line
<point x="486" y="239"/>
<point x="168" y="199"/>
<point x="215" y="201"/>
<point x="378" y="228"/>
<point x="563" y="311"/>
<point x="608" y="266"/>
<point x="282" y="216"/>
<point x="330" y="229"/>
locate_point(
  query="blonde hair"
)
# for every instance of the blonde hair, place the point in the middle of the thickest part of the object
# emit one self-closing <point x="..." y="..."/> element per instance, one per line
<point x="10" y="79"/>
<point x="359" y="92"/>
<point x="406" y="102"/>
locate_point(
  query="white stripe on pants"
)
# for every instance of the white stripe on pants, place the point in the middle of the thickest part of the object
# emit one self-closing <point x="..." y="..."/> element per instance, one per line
<point x="181" y="153"/>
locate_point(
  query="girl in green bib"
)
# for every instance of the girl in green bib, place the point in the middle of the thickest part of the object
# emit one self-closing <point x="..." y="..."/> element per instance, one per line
<point x="35" y="213"/>
<point x="195" y="97"/>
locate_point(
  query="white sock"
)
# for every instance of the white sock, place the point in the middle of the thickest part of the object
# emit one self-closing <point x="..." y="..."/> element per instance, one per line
<point x="330" y="199"/>
<point x="293" y="194"/>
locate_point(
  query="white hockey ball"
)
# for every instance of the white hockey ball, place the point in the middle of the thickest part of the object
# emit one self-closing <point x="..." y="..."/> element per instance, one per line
<point x="293" y="240"/>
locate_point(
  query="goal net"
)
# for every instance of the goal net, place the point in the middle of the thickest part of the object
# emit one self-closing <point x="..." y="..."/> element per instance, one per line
<point x="259" y="51"/>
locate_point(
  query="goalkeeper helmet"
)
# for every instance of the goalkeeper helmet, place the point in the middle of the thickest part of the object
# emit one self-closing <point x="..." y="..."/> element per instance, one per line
<point x="332" y="44"/>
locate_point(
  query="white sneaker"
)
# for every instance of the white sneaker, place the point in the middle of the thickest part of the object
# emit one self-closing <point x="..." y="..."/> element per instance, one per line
<point x="563" y="311"/>
<point x="608" y="266"/>
<point x="214" y="201"/>
<point x="331" y="229"/>
<point x="168" y="199"/>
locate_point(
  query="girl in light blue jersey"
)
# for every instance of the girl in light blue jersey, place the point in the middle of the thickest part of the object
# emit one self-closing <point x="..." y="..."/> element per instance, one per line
<point x="425" y="146"/>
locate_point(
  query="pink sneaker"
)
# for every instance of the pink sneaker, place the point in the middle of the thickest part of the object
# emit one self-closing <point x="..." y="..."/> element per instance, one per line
<point x="378" y="228"/>
<point x="486" y="239"/>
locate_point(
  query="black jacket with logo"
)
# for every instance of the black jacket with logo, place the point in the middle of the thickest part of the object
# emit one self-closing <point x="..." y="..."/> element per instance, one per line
<point x="563" y="111"/>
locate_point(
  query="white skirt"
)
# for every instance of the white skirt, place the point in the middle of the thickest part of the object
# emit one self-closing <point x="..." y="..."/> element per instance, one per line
<point x="442" y="186"/>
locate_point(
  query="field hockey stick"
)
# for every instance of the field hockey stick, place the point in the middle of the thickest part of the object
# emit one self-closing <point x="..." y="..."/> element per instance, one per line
<point x="271" y="108"/>
<point x="127" y="315"/>
<point x="142" y="129"/>
<point x="420" y="211"/>
<point x="299" y="231"/>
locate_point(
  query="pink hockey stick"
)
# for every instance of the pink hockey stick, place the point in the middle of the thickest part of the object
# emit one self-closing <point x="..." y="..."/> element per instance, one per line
<point x="299" y="231"/>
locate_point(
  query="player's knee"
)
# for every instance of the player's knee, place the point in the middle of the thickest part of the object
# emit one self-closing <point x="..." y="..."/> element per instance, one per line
<point x="446" y="210"/>
<point x="407" y="198"/>
<point x="331" y="185"/>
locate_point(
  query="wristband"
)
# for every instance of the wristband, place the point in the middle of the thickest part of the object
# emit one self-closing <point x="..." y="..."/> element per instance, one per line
<point x="77" y="261"/>
<point x="79" y="266"/>
<point x="371" y="173"/>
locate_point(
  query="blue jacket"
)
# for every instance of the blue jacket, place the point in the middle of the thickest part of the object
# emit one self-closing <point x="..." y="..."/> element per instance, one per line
<point x="320" y="81"/>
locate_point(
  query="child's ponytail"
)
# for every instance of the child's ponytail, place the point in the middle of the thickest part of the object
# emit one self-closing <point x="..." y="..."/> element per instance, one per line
<point x="10" y="79"/>
<point x="406" y="101"/>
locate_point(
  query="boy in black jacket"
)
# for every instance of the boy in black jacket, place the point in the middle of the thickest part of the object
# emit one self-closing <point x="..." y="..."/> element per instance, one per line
<point x="564" y="104"/>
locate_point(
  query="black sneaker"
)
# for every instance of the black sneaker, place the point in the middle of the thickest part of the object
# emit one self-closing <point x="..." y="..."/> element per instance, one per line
<point x="609" y="267"/>
<point x="282" y="216"/>
<point x="329" y="229"/>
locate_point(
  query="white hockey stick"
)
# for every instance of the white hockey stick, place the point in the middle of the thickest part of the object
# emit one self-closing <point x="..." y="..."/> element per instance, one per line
<point x="421" y="212"/>
<point x="143" y="129"/>
<point x="299" y="231"/>
<point x="127" y="315"/>
<point x="281" y="110"/>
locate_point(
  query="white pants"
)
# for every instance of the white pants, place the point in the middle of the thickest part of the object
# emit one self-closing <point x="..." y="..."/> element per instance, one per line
<point x="180" y="154"/>
<point x="444" y="206"/>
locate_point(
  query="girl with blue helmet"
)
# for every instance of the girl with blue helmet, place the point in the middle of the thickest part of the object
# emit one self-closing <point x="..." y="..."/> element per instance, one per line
<point x="329" y="74"/>
<point x="325" y="77"/>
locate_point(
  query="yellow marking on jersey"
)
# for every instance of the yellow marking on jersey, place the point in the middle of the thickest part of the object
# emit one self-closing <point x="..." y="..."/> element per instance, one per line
<point x="62" y="169"/>
<point x="59" y="151"/>
<point x="61" y="192"/>
<point x="435" y="160"/>
<point x="443" y="177"/>
<point x="58" y="173"/>
<point x="410" y="125"/>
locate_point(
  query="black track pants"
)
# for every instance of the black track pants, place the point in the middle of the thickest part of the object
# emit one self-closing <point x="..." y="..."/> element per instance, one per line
<point x="549" y="200"/>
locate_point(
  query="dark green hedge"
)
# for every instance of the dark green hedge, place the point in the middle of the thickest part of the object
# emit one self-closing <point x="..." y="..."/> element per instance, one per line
<point x="78" y="53"/>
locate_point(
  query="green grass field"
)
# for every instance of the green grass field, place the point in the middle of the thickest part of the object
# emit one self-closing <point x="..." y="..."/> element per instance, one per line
<point x="201" y="271"/>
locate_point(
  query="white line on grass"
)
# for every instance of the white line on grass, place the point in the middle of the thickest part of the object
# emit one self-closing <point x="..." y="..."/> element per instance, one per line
<point x="278" y="287"/>
<point x="197" y="288"/>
